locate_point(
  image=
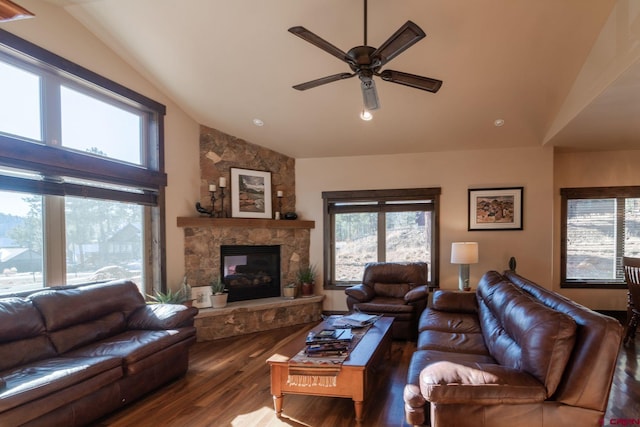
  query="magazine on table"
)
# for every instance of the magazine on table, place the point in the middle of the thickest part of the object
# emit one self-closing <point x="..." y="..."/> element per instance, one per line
<point x="355" y="320"/>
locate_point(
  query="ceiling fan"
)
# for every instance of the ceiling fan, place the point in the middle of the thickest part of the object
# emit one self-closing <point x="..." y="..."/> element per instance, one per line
<point x="366" y="61"/>
<point x="9" y="11"/>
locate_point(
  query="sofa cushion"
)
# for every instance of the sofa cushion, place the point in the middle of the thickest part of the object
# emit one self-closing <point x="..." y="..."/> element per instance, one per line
<point x="423" y="358"/>
<point x="452" y="342"/>
<point x="454" y="301"/>
<point x="523" y="334"/>
<point x="132" y="346"/>
<point x="393" y="290"/>
<point x="449" y="322"/>
<point x="36" y="380"/>
<point x="162" y="316"/>
<point x="77" y="335"/>
<point x="395" y="306"/>
<point x="86" y="303"/>
<point x="22" y="334"/>
<point x="483" y="384"/>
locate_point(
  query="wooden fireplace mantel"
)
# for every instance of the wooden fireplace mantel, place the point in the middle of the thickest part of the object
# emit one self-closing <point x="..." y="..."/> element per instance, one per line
<point x="202" y="221"/>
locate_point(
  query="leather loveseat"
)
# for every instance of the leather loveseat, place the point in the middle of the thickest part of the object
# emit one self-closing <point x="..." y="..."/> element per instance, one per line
<point x="511" y="353"/>
<point x="71" y="355"/>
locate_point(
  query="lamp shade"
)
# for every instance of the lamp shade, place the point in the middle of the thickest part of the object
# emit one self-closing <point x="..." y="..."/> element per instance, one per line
<point x="10" y="11"/>
<point x="464" y="252"/>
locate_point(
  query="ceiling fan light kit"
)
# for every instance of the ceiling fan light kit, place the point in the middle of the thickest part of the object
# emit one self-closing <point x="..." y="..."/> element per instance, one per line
<point x="9" y="11"/>
<point x="366" y="62"/>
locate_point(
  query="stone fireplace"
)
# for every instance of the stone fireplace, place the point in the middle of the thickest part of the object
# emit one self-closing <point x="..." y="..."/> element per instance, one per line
<point x="204" y="239"/>
<point x="250" y="272"/>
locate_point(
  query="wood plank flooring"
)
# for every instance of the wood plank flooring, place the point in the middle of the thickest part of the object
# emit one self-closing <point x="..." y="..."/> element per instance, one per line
<point x="228" y="385"/>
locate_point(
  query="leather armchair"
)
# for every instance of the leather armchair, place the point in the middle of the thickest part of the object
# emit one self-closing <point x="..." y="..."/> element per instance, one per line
<point x="397" y="290"/>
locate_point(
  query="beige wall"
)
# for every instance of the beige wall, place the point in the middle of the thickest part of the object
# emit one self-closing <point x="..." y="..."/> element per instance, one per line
<point x="455" y="173"/>
<point x="594" y="169"/>
<point x="55" y="30"/>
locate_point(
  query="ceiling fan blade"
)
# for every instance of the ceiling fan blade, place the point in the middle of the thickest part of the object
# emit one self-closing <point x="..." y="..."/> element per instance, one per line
<point x="411" y="80"/>
<point x="369" y="94"/>
<point x="323" y="80"/>
<point x="401" y="40"/>
<point x="317" y="41"/>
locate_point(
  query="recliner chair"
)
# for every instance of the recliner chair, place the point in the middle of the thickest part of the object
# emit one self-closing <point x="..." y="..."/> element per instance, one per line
<point x="397" y="290"/>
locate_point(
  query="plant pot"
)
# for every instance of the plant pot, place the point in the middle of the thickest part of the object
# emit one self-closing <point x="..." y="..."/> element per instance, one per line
<point x="289" y="292"/>
<point x="307" y="289"/>
<point x="219" y="300"/>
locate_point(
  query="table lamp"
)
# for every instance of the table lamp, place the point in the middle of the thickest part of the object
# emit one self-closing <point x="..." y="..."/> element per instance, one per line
<point x="464" y="253"/>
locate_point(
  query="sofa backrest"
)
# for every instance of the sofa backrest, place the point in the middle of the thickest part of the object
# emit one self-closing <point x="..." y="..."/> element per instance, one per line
<point x="587" y="379"/>
<point x="394" y="279"/>
<point x="522" y="333"/>
<point x="23" y="336"/>
<point x="74" y="317"/>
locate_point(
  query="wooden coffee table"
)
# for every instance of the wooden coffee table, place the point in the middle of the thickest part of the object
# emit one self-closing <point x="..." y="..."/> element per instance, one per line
<point x="353" y="379"/>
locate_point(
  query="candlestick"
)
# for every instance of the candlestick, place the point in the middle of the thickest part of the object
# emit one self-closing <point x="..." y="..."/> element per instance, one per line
<point x="213" y="201"/>
<point x="223" y="214"/>
<point x="279" y="195"/>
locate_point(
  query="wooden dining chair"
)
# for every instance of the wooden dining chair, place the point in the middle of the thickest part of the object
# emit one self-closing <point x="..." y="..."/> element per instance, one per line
<point x="631" y="268"/>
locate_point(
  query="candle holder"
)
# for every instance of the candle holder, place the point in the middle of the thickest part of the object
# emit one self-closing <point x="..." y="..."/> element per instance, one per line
<point x="211" y="212"/>
<point x="223" y="214"/>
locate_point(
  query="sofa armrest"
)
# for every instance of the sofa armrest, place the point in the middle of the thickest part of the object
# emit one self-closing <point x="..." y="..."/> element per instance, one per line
<point x="417" y="294"/>
<point x="162" y="316"/>
<point x="360" y="292"/>
<point x="482" y="384"/>
<point x="455" y="301"/>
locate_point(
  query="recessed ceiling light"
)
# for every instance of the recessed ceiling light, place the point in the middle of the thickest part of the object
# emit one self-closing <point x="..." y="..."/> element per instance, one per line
<point x="258" y="122"/>
<point x="498" y="122"/>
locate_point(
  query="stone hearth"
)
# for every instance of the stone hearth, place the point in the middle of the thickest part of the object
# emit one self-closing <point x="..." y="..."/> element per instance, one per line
<point x="245" y="317"/>
<point x="202" y="240"/>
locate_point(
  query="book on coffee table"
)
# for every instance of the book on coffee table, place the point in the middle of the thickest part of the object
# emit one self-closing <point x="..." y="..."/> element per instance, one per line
<point x="355" y="320"/>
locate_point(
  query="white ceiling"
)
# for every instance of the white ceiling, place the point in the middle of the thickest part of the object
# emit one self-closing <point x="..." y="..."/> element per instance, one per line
<point x="226" y="62"/>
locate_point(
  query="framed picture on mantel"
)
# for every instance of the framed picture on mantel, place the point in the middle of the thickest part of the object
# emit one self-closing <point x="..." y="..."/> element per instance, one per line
<point x="250" y="193"/>
<point x="495" y="209"/>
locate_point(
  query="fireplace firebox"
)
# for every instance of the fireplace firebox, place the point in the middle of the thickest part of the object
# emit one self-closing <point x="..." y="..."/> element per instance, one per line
<point x="250" y="272"/>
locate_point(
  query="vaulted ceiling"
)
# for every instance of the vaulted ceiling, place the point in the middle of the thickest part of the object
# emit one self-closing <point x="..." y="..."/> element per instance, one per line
<point x="558" y="72"/>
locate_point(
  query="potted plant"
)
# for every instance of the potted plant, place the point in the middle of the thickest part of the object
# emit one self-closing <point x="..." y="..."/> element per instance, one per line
<point x="169" y="297"/>
<point x="290" y="291"/>
<point x="218" y="293"/>
<point x="307" y="278"/>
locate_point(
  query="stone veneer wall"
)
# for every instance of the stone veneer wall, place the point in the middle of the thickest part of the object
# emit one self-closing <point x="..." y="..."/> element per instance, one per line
<point x="202" y="249"/>
<point x="220" y="152"/>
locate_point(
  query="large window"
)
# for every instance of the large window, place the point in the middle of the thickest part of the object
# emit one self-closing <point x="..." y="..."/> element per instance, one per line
<point x="81" y="175"/>
<point x="379" y="226"/>
<point x="599" y="227"/>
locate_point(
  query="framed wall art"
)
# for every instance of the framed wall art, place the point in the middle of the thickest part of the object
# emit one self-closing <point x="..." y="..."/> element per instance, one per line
<point x="495" y="208"/>
<point x="250" y="193"/>
<point x="201" y="296"/>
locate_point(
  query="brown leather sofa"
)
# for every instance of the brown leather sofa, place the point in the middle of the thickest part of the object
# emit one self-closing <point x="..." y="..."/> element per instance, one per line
<point x="69" y="356"/>
<point x="393" y="289"/>
<point x="511" y="353"/>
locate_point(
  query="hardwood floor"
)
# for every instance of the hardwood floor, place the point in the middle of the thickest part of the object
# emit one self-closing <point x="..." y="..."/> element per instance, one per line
<point x="228" y="385"/>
